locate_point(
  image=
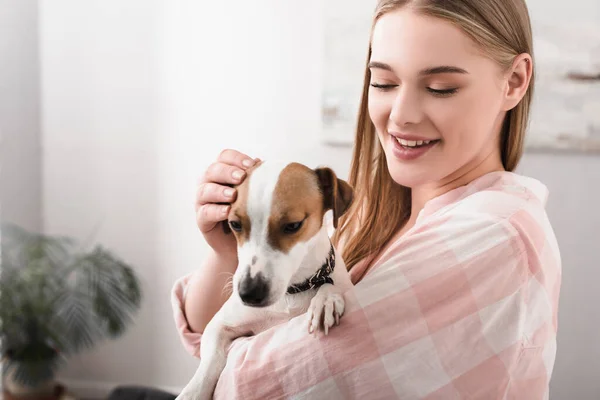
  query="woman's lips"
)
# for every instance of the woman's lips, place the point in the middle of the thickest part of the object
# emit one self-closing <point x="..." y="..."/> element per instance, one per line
<point x="411" y="147"/>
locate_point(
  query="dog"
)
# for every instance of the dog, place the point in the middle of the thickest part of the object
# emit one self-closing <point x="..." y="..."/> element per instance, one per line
<point x="287" y="265"/>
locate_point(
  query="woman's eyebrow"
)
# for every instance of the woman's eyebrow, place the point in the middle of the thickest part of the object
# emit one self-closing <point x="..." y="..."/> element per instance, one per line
<point x="442" y="69"/>
<point x="380" y="65"/>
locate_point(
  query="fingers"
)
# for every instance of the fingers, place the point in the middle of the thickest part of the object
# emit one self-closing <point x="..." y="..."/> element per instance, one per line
<point x="214" y="187"/>
<point x="235" y="158"/>
<point x="214" y="193"/>
<point x="211" y="214"/>
<point x="229" y="169"/>
<point x="224" y="174"/>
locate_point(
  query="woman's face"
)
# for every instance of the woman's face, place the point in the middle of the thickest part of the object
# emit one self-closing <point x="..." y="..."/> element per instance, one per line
<point x="430" y="83"/>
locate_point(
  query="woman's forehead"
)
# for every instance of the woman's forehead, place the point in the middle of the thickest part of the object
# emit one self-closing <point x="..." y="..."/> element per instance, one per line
<point x="404" y="38"/>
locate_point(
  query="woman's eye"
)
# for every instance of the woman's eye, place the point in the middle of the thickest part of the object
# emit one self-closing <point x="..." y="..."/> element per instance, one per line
<point x="383" y="87"/>
<point x="442" y="92"/>
<point x="235" y="225"/>
<point x="292" y="227"/>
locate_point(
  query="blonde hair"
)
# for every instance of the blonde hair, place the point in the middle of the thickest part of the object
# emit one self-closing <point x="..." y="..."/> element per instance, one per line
<point x="502" y="29"/>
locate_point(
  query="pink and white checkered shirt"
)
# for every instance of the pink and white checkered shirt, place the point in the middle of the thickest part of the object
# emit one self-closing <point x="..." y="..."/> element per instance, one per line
<point x="463" y="306"/>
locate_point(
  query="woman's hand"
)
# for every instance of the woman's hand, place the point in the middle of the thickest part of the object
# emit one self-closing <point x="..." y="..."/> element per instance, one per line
<point x="214" y="196"/>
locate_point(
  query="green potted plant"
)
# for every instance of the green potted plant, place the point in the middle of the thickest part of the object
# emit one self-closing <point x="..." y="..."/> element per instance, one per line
<point x="55" y="300"/>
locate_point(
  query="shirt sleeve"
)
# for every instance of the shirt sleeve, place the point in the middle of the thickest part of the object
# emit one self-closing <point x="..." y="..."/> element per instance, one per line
<point x="189" y="339"/>
<point x="453" y="310"/>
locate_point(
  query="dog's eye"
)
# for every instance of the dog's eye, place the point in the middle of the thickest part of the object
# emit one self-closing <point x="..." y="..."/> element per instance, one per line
<point x="235" y="225"/>
<point x="292" y="227"/>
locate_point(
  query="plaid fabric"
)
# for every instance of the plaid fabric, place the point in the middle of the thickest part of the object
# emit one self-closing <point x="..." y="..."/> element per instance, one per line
<point x="463" y="306"/>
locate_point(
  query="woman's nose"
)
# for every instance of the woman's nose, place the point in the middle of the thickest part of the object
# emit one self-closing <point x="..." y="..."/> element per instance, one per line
<point x="406" y="108"/>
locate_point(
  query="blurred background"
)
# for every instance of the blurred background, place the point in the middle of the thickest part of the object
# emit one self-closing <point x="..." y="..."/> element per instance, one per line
<point x="110" y="110"/>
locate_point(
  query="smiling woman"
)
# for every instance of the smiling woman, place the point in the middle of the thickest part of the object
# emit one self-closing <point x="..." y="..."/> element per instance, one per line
<point x="441" y="89"/>
<point x="455" y="265"/>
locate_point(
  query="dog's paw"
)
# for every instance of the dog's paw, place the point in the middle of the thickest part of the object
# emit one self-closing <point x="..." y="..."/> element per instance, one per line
<point x="326" y="309"/>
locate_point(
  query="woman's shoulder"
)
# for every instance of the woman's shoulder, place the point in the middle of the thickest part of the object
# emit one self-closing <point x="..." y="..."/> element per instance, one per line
<point x="514" y="204"/>
<point x="497" y="195"/>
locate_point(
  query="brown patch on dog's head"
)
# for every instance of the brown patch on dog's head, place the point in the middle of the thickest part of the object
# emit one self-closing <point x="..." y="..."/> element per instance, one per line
<point x="301" y="198"/>
<point x="297" y="207"/>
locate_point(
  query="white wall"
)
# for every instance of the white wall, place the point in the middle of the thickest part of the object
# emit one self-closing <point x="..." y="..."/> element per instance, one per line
<point x="101" y="181"/>
<point x="140" y="96"/>
<point x="573" y="211"/>
<point x="20" y="156"/>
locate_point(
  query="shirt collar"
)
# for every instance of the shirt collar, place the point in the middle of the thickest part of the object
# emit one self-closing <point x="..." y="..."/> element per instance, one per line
<point x="498" y="180"/>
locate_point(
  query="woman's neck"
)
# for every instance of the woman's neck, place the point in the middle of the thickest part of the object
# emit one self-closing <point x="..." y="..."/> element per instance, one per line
<point x="422" y="194"/>
<point x="463" y="176"/>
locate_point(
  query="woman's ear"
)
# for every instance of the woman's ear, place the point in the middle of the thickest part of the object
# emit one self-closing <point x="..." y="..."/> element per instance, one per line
<point x="337" y="193"/>
<point x="519" y="77"/>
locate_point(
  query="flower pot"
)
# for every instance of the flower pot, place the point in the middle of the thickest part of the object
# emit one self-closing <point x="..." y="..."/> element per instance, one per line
<point x="57" y="392"/>
<point x="48" y="390"/>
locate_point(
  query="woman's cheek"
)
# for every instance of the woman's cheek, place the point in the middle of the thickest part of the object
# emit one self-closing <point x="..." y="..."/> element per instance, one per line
<point x="379" y="111"/>
<point x="446" y="118"/>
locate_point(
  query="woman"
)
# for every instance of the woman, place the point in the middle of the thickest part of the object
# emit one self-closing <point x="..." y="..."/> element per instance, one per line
<point x="455" y="265"/>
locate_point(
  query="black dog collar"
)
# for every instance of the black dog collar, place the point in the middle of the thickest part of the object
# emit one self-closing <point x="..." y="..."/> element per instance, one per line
<point x="318" y="279"/>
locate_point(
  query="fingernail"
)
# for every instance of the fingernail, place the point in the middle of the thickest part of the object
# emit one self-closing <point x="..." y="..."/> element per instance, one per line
<point x="228" y="192"/>
<point x="237" y="174"/>
<point x="225" y="210"/>
<point x="247" y="163"/>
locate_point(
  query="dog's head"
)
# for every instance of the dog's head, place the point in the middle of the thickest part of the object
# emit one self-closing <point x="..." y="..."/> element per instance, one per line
<point x="276" y="218"/>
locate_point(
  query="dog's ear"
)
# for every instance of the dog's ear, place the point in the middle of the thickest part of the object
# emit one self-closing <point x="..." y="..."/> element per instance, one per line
<point x="337" y="193"/>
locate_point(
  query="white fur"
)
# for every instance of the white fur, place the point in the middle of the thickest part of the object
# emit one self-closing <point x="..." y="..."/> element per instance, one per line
<point x="281" y="270"/>
<point x="261" y="187"/>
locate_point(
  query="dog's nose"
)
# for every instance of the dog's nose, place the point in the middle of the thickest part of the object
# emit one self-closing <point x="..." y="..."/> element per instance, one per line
<point x="254" y="291"/>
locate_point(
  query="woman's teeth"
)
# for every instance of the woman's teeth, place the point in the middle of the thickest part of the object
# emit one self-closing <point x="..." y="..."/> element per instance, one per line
<point x="412" y="143"/>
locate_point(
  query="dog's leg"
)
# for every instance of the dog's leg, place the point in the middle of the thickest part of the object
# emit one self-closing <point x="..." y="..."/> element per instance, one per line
<point x="325" y="308"/>
<point x="216" y="339"/>
<point x="212" y="361"/>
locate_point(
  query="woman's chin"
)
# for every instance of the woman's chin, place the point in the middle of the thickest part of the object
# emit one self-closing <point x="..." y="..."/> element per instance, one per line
<point x="408" y="175"/>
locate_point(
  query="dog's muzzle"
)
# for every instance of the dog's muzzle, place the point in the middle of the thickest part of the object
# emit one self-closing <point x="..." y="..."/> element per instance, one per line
<point x="254" y="291"/>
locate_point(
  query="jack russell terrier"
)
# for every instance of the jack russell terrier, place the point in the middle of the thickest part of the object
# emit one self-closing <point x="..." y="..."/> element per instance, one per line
<point x="287" y="264"/>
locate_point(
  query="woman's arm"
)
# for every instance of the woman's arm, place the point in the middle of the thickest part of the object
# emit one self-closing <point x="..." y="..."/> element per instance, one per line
<point x="196" y="298"/>
<point x="207" y="290"/>
<point x="462" y="308"/>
